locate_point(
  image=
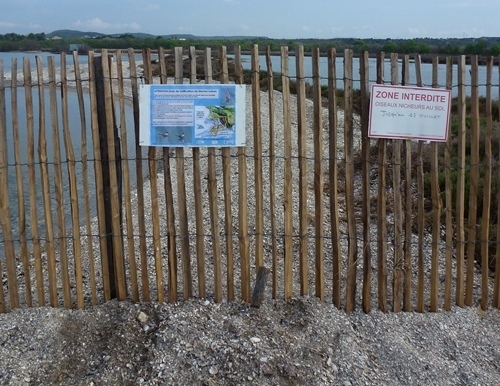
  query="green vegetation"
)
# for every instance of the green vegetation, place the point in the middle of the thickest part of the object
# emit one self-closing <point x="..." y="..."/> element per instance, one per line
<point x="454" y="171"/>
<point x="60" y="40"/>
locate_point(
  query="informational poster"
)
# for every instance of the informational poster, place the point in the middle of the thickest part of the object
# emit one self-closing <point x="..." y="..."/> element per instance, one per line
<point x="192" y="115"/>
<point x="402" y="112"/>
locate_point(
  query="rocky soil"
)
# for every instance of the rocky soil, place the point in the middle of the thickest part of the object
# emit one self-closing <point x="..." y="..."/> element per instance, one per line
<point x="302" y="341"/>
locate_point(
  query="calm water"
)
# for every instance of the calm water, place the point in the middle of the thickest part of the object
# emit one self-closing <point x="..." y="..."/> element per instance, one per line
<point x="75" y="129"/>
<point x="426" y="70"/>
<point x="83" y="59"/>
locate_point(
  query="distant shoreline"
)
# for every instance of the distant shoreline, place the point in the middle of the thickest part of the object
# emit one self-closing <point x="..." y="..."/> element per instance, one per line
<point x="425" y="58"/>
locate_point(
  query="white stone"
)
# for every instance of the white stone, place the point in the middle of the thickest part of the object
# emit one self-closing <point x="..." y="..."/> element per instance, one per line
<point x="213" y="370"/>
<point x="142" y="317"/>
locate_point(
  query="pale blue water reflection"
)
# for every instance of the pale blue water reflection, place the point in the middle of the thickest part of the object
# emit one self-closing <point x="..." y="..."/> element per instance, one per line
<point x="75" y="130"/>
<point x="426" y="70"/>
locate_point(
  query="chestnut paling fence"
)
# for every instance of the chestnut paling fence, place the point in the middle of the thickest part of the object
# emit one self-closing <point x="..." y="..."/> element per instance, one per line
<point x="380" y="223"/>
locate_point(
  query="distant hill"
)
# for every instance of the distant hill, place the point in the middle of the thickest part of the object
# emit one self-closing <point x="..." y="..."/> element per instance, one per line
<point x="67" y="33"/>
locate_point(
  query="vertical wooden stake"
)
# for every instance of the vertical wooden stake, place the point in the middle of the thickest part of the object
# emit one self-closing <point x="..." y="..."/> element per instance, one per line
<point x="349" y="183"/>
<point x="448" y="201"/>
<point x="257" y="144"/>
<point x="302" y="136"/>
<point x="244" y="244"/>
<point x="333" y="176"/>
<point x="181" y="194"/>
<point x="272" y="173"/>
<point x="474" y="183"/>
<point x="20" y="186"/>
<point x="365" y="170"/>
<point x="226" y="176"/>
<point x="408" y="218"/>
<point x="287" y="129"/>
<point x="5" y="219"/>
<point x="436" y="210"/>
<point x="460" y="201"/>
<point x="319" y="212"/>
<point x="198" y="202"/>
<point x="381" y="204"/>
<point x="30" y="149"/>
<point x="485" y="222"/>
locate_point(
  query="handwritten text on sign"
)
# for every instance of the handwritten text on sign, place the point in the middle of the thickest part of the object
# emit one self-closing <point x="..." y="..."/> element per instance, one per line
<point x="409" y="113"/>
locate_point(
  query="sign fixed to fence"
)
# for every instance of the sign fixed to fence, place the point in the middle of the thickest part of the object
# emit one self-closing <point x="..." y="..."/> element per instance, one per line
<point x="402" y="112"/>
<point x="192" y="115"/>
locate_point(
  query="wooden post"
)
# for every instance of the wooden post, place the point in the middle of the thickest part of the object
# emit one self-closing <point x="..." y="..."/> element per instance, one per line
<point x="408" y="206"/>
<point x="287" y="129"/>
<point x="126" y="180"/>
<point x="30" y="150"/>
<point x="349" y="182"/>
<point x="302" y="135"/>
<point x="58" y="188"/>
<point x="365" y="170"/>
<point x="85" y="177"/>
<point x="474" y="182"/>
<point x="153" y="183"/>
<point x="244" y="244"/>
<point x="187" y="288"/>
<point x="436" y="210"/>
<point x="20" y="182"/>
<point x="198" y="200"/>
<point x="257" y="145"/>
<point x="397" y="284"/>
<point x="5" y="219"/>
<point x="460" y="201"/>
<point x="73" y="187"/>
<point x="47" y="204"/>
<point x="333" y="176"/>
<point x="140" y="181"/>
<point x="318" y="178"/>
<point x="496" y="288"/>
<point x="485" y="222"/>
<point x="272" y="173"/>
<point x="226" y="179"/>
<point x="381" y="204"/>
<point x="448" y="201"/>
<point x="213" y="198"/>
<point x="99" y="64"/>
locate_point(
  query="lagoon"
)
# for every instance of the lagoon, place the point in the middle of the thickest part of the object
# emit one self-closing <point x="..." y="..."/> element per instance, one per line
<point x="426" y="70"/>
<point x="75" y="130"/>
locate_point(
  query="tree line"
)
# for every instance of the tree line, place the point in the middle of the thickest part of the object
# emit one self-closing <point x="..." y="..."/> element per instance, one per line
<point x="456" y="46"/>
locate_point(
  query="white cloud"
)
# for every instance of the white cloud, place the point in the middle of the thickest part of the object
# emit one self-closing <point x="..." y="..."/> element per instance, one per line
<point x="244" y="27"/>
<point x="7" y="24"/>
<point x="99" y="25"/>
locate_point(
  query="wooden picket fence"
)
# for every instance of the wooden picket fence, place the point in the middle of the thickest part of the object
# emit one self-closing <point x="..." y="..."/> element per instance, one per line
<point x="346" y="223"/>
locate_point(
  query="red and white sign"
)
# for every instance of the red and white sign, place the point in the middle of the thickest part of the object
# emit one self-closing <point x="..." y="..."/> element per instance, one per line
<point x="403" y="112"/>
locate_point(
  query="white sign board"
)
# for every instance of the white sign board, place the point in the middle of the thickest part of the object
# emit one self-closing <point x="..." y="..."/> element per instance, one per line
<point x="195" y="115"/>
<point x="402" y="112"/>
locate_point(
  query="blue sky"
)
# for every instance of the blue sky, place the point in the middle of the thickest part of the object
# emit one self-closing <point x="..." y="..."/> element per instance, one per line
<point x="271" y="18"/>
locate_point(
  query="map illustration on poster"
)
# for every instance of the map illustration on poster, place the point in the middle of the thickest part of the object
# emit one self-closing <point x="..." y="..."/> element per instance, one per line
<point x="192" y="115"/>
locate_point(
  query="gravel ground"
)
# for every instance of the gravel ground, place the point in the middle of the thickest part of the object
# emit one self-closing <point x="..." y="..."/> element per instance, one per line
<point x="299" y="341"/>
<point x="302" y="341"/>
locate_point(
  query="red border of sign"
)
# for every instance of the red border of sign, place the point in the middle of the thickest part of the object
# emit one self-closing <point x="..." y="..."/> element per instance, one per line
<point x="419" y="138"/>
